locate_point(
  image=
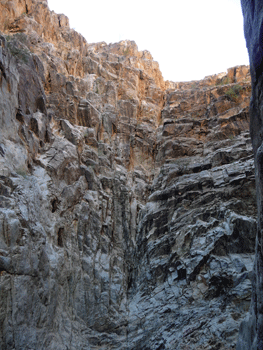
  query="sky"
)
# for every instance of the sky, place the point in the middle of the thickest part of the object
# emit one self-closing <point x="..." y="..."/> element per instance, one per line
<point x="190" y="39"/>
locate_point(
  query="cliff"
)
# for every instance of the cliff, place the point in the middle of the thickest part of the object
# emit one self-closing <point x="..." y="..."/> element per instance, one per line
<point x="251" y="331"/>
<point x="127" y="203"/>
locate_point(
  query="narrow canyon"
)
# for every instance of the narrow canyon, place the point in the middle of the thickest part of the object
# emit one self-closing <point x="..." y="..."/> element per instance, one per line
<point x="128" y="204"/>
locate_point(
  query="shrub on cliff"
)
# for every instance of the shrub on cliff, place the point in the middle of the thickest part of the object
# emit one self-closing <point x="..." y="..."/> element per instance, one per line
<point x="17" y="48"/>
<point x="234" y="92"/>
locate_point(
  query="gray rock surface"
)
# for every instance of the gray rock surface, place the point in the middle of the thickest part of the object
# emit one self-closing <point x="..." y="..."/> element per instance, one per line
<point x="127" y="204"/>
<point x="251" y="331"/>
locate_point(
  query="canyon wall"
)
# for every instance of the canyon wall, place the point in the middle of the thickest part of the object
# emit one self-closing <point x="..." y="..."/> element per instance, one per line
<point x="251" y="331"/>
<point x="127" y="203"/>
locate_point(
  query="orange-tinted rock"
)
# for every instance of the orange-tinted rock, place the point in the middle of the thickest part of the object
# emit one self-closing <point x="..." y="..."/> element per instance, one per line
<point x="127" y="203"/>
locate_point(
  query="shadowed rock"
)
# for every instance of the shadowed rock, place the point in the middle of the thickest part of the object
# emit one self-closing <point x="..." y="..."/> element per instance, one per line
<point x="251" y="331"/>
<point x="127" y="203"/>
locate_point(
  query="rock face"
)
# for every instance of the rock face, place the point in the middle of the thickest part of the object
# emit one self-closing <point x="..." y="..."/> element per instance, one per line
<point x="251" y="331"/>
<point x="127" y="203"/>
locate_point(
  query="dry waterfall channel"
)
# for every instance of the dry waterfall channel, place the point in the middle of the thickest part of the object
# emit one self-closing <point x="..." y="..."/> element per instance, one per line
<point x="127" y="203"/>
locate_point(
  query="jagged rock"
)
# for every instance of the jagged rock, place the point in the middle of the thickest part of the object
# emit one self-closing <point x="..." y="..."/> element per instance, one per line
<point x="127" y="203"/>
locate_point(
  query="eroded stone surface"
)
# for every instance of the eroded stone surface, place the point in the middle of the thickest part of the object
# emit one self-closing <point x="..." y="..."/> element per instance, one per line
<point x="127" y="202"/>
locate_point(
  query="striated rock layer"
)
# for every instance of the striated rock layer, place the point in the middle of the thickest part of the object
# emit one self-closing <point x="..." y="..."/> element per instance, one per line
<point x="127" y="203"/>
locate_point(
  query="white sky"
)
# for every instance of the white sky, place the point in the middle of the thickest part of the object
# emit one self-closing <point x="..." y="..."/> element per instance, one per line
<point x="188" y="38"/>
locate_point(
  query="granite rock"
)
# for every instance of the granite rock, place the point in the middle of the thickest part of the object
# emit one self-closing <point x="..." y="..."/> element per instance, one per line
<point x="127" y="203"/>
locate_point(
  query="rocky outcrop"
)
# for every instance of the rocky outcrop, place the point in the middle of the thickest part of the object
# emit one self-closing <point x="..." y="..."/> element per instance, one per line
<point x="127" y="203"/>
<point x="251" y="331"/>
